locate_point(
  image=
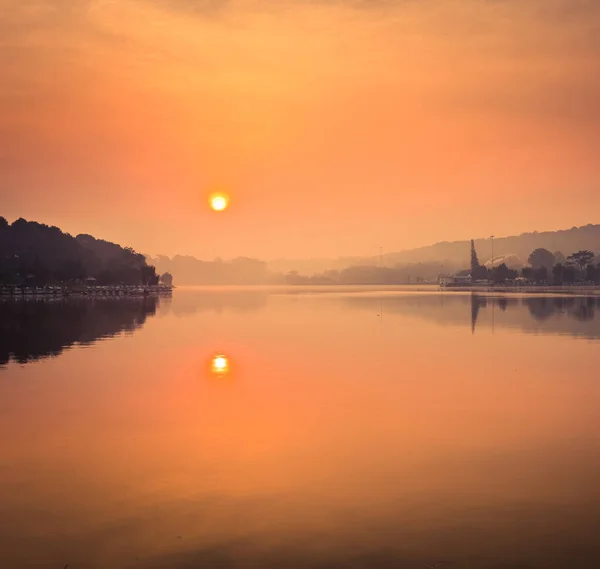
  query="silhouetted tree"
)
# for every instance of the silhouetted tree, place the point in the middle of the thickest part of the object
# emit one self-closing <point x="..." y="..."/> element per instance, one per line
<point x="528" y="273"/>
<point x="474" y="260"/>
<point x="33" y="253"/>
<point x="70" y="270"/>
<point x="502" y="273"/>
<point x="558" y="274"/>
<point x="149" y="276"/>
<point x="569" y="274"/>
<point x="541" y="258"/>
<point x="559" y="257"/>
<point x="581" y="259"/>
<point x="478" y="272"/>
<point x="541" y="274"/>
<point x="166" y="278"/>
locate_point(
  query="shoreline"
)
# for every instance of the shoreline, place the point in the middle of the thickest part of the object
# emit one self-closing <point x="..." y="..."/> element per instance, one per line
<point x="582" y="290"/>
<point x="58" y="292"/>
<point x="112" y="291"/>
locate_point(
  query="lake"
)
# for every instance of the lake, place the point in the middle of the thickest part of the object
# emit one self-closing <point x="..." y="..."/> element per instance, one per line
<point x="300" y="428"/>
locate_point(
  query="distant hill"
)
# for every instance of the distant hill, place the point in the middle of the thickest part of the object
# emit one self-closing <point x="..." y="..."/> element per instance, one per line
<point x="453" y="254"/>
<point x="566" y="241"/>
<point x="188" y="270"/>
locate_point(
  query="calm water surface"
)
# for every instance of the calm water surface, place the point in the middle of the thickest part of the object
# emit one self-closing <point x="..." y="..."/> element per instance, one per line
<point x="317" y="428"/>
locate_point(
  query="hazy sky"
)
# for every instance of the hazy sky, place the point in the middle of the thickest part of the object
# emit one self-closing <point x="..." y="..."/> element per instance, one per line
<point x="337" y="126"/>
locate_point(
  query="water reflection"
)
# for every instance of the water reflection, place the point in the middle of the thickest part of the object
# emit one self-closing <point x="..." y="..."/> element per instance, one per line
<point x="570" y="315"/>
<point x="187" y="303"/>
<point x="476" y="303"/>
<point x="345" y="441"/>
<point x="35" y="329"/>
<point x="554" y="314"/>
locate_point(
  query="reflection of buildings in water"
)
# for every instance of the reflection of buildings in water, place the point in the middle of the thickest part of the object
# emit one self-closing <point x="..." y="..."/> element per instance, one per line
<point x="34" y="329"/>
<point x="569" y="315"/>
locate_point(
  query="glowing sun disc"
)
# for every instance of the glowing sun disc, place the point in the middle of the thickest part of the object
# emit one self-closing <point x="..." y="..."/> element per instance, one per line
<point x="220" y="364"/>
<point x="219" y="202"/>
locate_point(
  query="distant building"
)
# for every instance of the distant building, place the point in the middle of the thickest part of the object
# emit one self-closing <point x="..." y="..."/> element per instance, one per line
<point x="454" y="280"/>
<point x="510" y="260"/>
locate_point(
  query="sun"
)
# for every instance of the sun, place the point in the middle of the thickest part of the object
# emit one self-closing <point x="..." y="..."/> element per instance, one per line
<point x="220" y="364"/>
<point x="219" y="202"/>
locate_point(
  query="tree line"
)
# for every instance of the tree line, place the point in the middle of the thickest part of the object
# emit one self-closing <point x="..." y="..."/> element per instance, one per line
<point x="545" y="268"/>
<point x="34" y="254"/>
<point x="369" y="275"/>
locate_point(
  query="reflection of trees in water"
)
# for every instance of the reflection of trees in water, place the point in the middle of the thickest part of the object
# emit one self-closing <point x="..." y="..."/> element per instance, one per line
<point x="541" y="308"/>
<point x="571" y="315"/>
<point x="579" y="308"/>
<point x="476" y="303"/>
<point x="35" y="329"/>
<point x="584" y="309"/>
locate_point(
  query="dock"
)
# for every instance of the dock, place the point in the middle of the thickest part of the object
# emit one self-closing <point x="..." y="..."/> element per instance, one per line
<point x="16" y="291"/>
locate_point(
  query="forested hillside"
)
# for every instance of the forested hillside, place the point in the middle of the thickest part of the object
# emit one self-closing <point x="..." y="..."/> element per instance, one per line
<point x="40" y="254"/>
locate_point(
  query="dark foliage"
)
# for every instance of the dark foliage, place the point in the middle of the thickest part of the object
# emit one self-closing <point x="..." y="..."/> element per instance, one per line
<point x="581" y="259"/>
<point x="541" y="274"/>
<point x="502" y="273"/>
<point x="36" y="254"/>
<point x="166" y="279"/>
<point x="542" y="258"/>
<point x="478" y="272"/>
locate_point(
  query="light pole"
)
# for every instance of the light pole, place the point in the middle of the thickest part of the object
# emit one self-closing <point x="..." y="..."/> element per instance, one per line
<point x="492" y="268"/>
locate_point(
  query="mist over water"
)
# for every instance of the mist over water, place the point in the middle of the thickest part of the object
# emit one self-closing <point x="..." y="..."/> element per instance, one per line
<point x="300" y="428"/>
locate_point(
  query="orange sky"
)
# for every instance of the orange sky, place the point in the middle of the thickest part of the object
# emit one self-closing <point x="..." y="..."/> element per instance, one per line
<point x="337" y="127"/>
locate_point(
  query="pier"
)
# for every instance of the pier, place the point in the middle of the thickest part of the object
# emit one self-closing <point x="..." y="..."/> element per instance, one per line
<point x="84" y="290"/>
